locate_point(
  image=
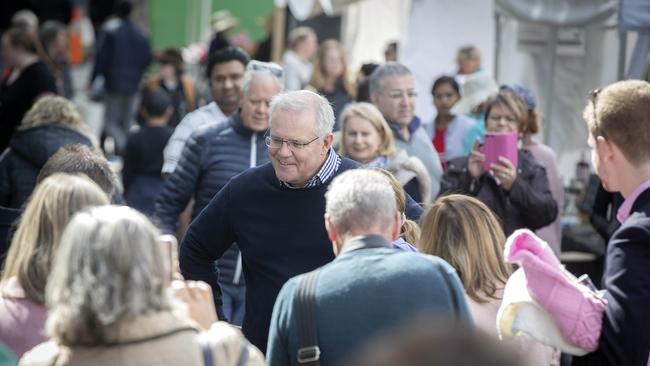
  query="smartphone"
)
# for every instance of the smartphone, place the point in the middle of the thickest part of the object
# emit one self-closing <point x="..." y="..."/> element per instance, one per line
<point x="170" y="250"/>
<point x="497" y="144"/>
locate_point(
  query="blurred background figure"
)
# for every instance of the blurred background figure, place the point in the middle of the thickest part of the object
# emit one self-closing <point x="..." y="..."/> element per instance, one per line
<point x="476" y="90"/>
<point x="429" y="341"/>
<point x="468" y="60"/>
<point x="330" y="77"/>
<point x="552" y="234"/>
<point x="110" y="302"/>
<point x="390" y="53"/>
<point x="54" y="39"/>
<point x="448" y="130"/>
<point x="464" y="232"/>
<point x="32" y="251"/>
<point x="363" y="82"/>
<point x="52" y="122"/>
<point x="123" y="54"/>
<point x="367" y="139"/>
<point x="519" y="196"/>
<point x="26" y="79"/>
<point x="172" y="79"/>
<point x="143" y="156"/>
<point x="222" y="22"/>
<point x="303" y="45"/>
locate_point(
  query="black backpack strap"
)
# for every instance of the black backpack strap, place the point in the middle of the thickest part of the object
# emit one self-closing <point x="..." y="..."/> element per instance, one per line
<point x="304" y="304"/>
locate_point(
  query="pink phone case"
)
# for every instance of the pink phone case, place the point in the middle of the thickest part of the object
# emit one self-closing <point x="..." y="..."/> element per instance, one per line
<point x="500" y="144"/>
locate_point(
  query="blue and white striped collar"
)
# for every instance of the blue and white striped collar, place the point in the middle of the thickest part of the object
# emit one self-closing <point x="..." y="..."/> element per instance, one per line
<point x="329" y="168"/>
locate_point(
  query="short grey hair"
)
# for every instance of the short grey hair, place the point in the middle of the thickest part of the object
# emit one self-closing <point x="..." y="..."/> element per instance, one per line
<point x="109" y="268"/>
<point x="376" y="83"/>
<point x="256" y="68"/>
<point x="360" y="199"/>
<point x="301" y="100"/>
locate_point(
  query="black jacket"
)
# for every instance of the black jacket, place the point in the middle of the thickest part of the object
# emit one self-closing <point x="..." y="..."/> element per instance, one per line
<point x="28" y="151"/>
<point x="213" y="155"/>
<point x="529" y="204"/>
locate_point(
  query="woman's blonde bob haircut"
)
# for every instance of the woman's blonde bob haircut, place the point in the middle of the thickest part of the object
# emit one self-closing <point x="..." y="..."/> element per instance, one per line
<point x="109" y="269"/>
<point x="49" y="208"/>
<point x="371" y="114"/>
<point x="464" y="232"/>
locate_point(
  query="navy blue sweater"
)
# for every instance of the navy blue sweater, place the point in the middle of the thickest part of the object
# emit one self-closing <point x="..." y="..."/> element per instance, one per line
<point x="280" y="232"/>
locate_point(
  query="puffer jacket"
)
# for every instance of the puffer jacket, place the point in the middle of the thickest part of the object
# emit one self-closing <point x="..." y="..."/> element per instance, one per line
<point x="529" y="204"/>
<point x="28" y="151"/>
<point x="213" y="154"/>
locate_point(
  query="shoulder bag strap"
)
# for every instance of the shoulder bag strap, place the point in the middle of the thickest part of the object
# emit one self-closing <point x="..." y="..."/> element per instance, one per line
<point x="304" y="303"/>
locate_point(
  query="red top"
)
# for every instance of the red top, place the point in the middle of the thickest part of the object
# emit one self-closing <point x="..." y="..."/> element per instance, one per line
<point x="439" y="143"/>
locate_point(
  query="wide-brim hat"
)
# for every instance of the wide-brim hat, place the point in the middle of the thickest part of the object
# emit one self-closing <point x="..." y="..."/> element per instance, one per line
<point x="476" y="89"/>
<point x="223" y="20"/>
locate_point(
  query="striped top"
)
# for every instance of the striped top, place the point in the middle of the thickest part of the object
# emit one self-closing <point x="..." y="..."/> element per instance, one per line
<point x="331" y="166"/>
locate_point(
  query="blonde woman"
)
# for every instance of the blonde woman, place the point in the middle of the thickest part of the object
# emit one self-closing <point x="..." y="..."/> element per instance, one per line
<point x="330" y="76"/>
<point x="110" y="305"/>
<point x="464" y="232"/>
<point x="28" y="263"/>
<point x="410" y="231"/>
<point x="50" y="124"/>
<point x="367" y="138"/>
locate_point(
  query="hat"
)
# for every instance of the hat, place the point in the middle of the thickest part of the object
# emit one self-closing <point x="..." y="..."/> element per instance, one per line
<point x="525" y="94"/>
<point x="155" y="102"/>
<point x="477" y="88"/>
<point x="222" y="20"/>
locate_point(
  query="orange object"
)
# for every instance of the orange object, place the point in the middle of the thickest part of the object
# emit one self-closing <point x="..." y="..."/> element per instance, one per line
<point x="75" y="45"/>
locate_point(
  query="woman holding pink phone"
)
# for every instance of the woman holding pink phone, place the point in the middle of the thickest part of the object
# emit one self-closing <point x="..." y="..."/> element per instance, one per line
<point x="515" y="189"/>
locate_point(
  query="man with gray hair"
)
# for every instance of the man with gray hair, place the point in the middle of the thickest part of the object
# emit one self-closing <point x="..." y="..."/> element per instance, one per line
<point x="369" y="287"/>
<point x="273" y="211"/>
<point x="214" y="154"/>
<point x="392" y="90"/>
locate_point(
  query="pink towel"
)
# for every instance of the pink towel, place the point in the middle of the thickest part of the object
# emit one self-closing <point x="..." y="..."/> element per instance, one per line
<point x="576" y="309"/>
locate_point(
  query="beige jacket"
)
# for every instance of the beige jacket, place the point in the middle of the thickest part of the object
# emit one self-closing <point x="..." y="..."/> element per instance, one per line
<point x="157" y="339"/>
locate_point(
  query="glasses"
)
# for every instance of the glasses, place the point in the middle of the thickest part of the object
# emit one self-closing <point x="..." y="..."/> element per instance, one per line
<point x="275" y="69"/>
<point x="276" y="143"/>
<point x="399" y="94"/>
<point x="508" y="119"/>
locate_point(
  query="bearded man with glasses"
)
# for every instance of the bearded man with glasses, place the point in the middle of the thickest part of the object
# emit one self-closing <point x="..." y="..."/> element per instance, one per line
<point x="274" y="211"/>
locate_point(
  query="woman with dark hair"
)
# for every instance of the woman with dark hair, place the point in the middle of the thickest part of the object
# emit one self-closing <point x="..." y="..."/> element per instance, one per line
<point x="448" y="130"/>
<point x="172" y="79"/>
<point x="519" y="195"/>
<point x="27" y="79"/>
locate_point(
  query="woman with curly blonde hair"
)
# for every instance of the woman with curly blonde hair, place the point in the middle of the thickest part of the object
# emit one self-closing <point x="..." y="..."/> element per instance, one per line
<point x="28" y="263"/>
<point x="51" y="123"/>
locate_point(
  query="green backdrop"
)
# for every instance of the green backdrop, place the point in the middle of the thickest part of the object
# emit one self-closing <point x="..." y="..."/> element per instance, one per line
<point x="168" y="19"/>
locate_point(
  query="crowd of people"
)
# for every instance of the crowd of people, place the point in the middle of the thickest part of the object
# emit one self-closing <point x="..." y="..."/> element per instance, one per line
<point x="318" y="219"/>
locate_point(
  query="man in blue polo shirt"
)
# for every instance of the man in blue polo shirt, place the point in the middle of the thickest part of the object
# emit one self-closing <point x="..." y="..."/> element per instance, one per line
<point x="274" y="211"/>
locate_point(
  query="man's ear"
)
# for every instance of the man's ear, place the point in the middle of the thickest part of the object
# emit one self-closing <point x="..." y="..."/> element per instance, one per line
<point x="327" y="142"/>
<point x="605" y="149"/>
<point x="396" y="228"/>
<point x="332" y="234"/>
<point x="331" y="230"/>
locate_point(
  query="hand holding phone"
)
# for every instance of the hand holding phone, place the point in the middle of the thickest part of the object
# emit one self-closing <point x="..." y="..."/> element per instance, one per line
<point x="497" y="145"/>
